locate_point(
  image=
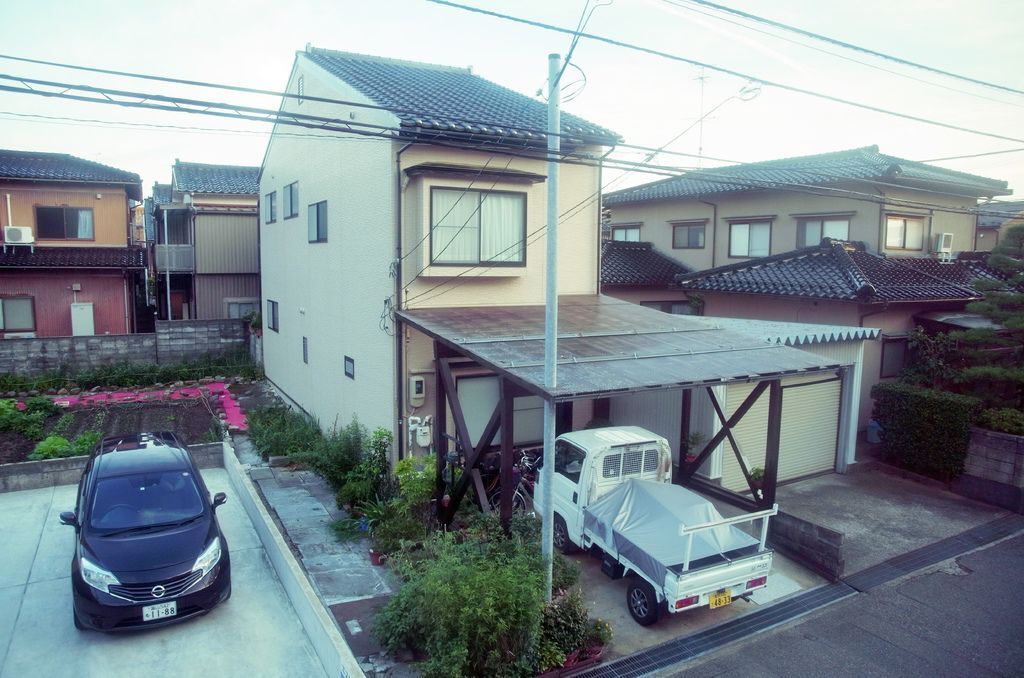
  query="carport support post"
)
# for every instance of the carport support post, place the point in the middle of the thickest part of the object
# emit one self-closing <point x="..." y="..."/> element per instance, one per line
<point x="550" y="322"/>
<point x="508" y="487"/>
<point x="771" y="452"/>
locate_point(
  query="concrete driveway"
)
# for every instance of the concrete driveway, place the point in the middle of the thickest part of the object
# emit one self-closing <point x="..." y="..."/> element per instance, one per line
<point x="256" y="633"/>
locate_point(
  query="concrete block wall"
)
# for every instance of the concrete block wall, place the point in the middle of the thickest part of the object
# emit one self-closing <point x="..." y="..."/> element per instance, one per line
<point x="174" y="341"/>
<point x="817" y="547"/>
<point x="994" y="470"/>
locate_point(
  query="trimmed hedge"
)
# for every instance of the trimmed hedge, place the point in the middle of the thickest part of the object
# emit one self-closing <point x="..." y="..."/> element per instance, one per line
<point x="925" y="430"/>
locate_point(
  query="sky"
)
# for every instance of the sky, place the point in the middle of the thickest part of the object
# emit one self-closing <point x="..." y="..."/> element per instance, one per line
<point x="648" y="100"/>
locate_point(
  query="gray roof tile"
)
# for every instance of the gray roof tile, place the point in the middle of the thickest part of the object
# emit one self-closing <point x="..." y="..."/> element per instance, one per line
<point x="73" y="257"/>
<point x="832" y="270"/>
<point x="637" y="263"/>
<point x="865" y="163"/>
<point x="194" y="177"/>
<point x="995" y="214"/>
<point x="63" y="167"/>
<point x="449" y="100"/>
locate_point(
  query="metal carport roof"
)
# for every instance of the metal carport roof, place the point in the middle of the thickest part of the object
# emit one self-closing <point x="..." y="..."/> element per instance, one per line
<point x="606" y="345"/>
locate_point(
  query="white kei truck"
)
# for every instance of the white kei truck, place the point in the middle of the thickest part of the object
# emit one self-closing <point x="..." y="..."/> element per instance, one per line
<point x="612" y="493"/>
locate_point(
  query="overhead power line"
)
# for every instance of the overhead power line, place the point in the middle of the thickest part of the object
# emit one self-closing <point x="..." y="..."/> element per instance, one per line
<point x="720" y="69"/>
<point x="851" y="46"/>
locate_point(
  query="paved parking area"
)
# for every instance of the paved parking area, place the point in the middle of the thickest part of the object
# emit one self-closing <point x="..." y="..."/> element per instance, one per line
<point x="255" y="633"/>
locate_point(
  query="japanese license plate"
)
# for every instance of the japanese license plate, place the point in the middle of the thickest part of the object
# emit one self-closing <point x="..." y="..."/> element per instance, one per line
<point x="720" y="599"/>
<point x="160" y="611"/>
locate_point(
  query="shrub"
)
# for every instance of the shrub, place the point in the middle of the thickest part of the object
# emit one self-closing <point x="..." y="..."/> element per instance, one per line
<point x="565" y="623"/>
<point x="926" y="431"/>
<point x="334" y="455"/>
<point x="371" y="477"/>
<point x="473" y="607"/>
<point x="600" y="632"/>
<point x="53" y="447"/>
<point x="1005" y="420"/>
<point x="63" y="424"/>
<point x="41" y="404"/>
<point x="416" y="479"/>
<point x="28" y="424"/>
<point x="85" y="442"/>
<point x="280" y="431"/>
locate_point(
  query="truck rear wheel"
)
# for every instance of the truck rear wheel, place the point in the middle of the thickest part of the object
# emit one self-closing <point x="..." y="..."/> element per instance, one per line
<point x="560" y="536"/>
<point x="642" y="601"/>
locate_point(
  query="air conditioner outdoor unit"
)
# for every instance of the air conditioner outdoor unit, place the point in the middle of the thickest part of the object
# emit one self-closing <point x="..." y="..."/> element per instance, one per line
<point x="18" y="235"/>
<point x="944" y="246"/>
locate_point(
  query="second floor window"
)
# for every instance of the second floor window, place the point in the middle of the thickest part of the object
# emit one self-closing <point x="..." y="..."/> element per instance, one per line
<point x="630" y="233"/>
<point x="750" y="239"/>
<point x="809" y="232"/>
<point x="318" y="222"/>
<point x="270" y="210"/>
<point x="291" y="200"/>
<point x="17" y="314"/>
<point x="904" y="233"/>
<point x="476" y="227"/>
<point x="687" y="236"/>
<point x="64" y="223"/>
<point x="272" y="319"/>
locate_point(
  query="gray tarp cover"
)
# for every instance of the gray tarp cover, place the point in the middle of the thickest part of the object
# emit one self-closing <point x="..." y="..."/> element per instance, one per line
<point x="641" y="519"/>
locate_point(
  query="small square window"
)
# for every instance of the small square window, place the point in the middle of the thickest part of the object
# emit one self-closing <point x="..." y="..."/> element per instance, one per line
<point x="750" y="239"/>
<point x="811" y="231"/>
<point x="629" y="233"/>
<point x="894" y="356"/>
<point x="350" y="367"/>
<point x="17" y="314"/>
<point x="904" y="233"/>
<point x="687" y="236"/>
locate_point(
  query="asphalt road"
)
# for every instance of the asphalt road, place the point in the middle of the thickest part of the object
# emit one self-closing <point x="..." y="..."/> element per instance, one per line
<point x="964" y="617"/>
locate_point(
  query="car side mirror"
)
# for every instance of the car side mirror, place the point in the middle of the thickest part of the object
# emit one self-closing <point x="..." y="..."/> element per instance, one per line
<point x="219" y="498"/>
<point x="69" y="518"/>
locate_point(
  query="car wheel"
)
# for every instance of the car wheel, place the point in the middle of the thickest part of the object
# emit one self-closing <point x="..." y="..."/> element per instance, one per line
<point x="560" y="536"/>
<point x="642" y="601"/>
<point x="78" y="624"/>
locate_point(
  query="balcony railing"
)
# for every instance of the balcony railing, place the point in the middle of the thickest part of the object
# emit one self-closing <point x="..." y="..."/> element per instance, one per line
<point x="175" y="258"/>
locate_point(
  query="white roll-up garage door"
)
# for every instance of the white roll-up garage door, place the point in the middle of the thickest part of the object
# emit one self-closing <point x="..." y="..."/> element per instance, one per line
<point x="810" y="424"/>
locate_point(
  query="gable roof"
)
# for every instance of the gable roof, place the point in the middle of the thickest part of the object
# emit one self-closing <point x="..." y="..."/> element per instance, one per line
<point x="39" y="166"/>
<point x="73" y="257"/>
<point x="194" y="177"/>
<point x="637" y="263"/>
<point x="995" y="214"/>
<point x="161" y="194"/>
<point x="450" y="100"/>
<point x="833" y="270"/>
<point x="865" y="163"/>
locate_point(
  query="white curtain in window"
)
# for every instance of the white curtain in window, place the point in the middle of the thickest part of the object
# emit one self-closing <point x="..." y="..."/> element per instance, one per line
<point x="894" y="232"/>
<point x="83" y="226"/>
<point x="501" y="232"/>
<point x="839" y="229"/>
<point x="739" y="240"/>
<point x="760" y="237"/>
<point x="17" y="315"/>
<point x="455" y="233"/>
<point x="812" y="233"/>
<point x="915" y="233"/>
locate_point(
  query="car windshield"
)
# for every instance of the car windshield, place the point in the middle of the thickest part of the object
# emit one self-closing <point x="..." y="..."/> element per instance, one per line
<point x="145" y="499"/>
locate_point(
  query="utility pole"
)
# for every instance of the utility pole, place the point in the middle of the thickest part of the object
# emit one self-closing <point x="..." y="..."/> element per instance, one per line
<point x="550" y="320"/>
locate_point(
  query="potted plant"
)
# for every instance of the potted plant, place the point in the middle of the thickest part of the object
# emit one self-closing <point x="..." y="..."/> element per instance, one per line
<point x="757" y="478"/>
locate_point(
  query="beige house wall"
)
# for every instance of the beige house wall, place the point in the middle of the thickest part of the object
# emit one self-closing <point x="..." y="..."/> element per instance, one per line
<point x="784" y="209"/>
<point x="109" y="205"/>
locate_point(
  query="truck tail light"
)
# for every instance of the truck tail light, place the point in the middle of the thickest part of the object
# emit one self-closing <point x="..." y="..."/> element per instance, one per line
<point x="754" y="583"/>
<point x="687" y="602"/>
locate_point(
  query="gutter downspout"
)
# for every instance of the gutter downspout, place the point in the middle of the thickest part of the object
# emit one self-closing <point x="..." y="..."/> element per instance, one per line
<point x="399" y="330"/>
<point x="714" y="227"/>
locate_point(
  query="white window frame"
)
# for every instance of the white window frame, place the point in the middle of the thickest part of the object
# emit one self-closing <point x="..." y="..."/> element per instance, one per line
<point x="290" y="207"/>
<point x="628" y="229"/>
<point x="32" y="309"/>
<point x="905" y="219"/>
<point x="480" y="196"/>
<point x="821" y="221"/>
<point x="252" y="301"/>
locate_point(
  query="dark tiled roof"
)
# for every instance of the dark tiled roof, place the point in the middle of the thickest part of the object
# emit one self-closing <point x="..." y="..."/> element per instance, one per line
<point x="73" y="257"/>
<point x="995" y="214"/>
<point x="193" y="177"/>
<point x="814" y="170"/>
<point x="161" y="194"/>
<point x="833" y="270"/>
<point x="637" y="263"/>
<point x="63" y="167"/>
<point x="964" y="270"/>
<point x="450" y="100"/>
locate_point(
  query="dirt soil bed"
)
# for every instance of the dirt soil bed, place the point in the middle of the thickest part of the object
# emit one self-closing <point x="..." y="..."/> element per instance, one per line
<point x="191" y="420"/>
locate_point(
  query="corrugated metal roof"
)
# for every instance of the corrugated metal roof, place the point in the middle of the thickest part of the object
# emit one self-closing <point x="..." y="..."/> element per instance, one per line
<point x="796" y="334"/>
<point x="607" y="345"/>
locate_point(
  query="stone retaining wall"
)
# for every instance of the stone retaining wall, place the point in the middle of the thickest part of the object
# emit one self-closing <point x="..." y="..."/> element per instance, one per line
<point x="994" y="470"/>
<point x="173" y="342"/>
<point x="815" y="546"/>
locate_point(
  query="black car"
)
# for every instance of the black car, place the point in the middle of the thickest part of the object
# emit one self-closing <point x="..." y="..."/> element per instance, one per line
<point x="148" y="550"/>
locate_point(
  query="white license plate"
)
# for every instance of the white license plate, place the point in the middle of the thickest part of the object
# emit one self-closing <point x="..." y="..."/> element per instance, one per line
<point x="161" y="611"/>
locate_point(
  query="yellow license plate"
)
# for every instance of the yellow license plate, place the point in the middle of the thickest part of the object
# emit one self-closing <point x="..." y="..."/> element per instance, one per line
<point x="720" y="599"/>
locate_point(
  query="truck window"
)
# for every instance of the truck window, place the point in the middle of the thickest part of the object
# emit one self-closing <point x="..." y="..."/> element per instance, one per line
<point x="569" y="460"/>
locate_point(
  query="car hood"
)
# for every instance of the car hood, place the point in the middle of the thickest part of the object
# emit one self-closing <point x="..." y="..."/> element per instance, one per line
<point x="125" y="554"/>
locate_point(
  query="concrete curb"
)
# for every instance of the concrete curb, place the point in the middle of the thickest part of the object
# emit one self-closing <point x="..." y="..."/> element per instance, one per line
<point x="321" y="630"/>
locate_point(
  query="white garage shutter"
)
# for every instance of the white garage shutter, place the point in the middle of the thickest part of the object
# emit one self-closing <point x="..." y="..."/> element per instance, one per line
<point x="810" y="421"/>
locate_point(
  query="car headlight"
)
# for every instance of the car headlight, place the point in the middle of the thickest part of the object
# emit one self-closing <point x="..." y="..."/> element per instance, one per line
<point x="209" y="557"/>
<point x="96" y="577"/>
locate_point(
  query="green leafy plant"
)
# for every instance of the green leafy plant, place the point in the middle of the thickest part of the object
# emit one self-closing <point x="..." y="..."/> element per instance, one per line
<point x="371" y="477"/>
<point x="600" y="632"/>
<point x="1004" y="420"/>
<point x="924" y="430"/>
<point x="85" y="442"/>
<point x="41" y="404"/>
<point x="52" y="447"/>
<point x="757" y="474"/>
<point x="565" y="623"/>
<point x="63" y="424"/>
